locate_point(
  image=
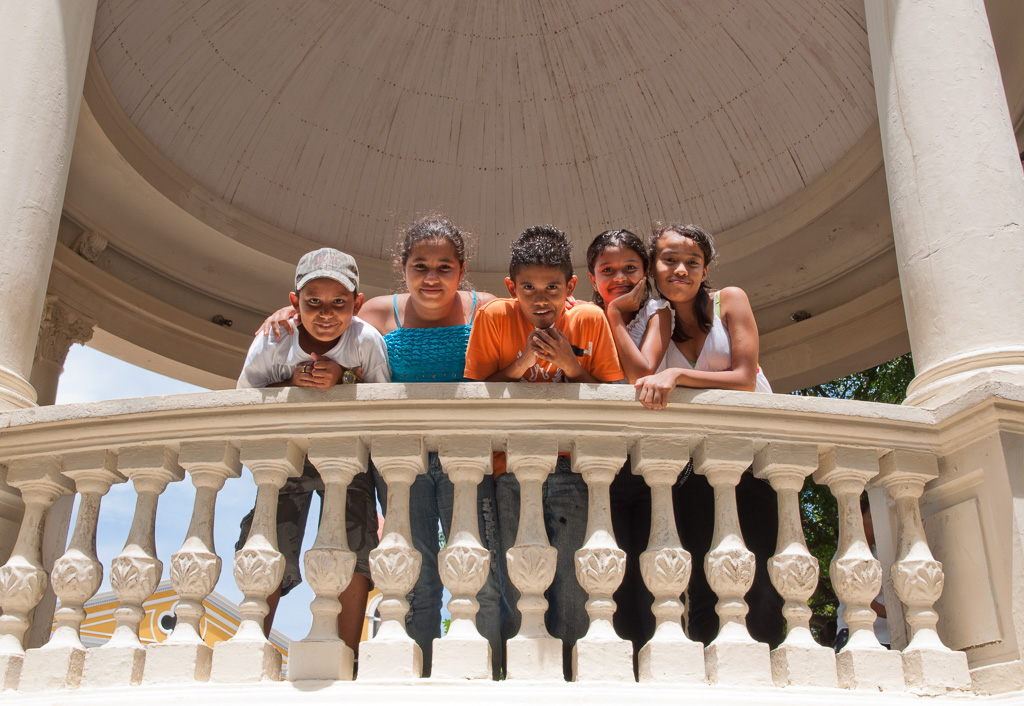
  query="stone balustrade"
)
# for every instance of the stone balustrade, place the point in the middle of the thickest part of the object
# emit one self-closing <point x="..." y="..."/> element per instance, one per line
<point x="155" y="441"/>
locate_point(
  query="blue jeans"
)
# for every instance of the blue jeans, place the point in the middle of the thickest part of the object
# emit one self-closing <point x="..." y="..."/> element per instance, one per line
<point x="565" y="518"/>
<point x="431" y="498"/>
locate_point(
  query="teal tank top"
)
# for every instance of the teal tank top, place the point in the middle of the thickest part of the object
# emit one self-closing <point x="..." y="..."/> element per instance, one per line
<point x="428" y="354"/>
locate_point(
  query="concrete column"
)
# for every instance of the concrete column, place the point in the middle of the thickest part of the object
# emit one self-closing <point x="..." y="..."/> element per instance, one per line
<point x="59" y="327"/>
<point x="956" y="187"/>
<point x="44" y="47"/>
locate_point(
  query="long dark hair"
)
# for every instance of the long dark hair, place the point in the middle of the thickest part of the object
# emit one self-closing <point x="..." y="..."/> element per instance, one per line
<point x="619" y="239"/>
<point x="706" y="244"/>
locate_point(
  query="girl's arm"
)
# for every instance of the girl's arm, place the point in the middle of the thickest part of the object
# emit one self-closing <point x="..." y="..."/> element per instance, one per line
<point x="738" y="319"/>
<point x="642" y="361"/>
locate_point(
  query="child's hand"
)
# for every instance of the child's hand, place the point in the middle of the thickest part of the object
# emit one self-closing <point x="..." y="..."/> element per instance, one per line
<point x="552" y="346"/>
<point x="630" y="302"/>
<point x="655" y="389"/>
<point x="570" y="302"/>
<point x="321" y="373"/>
<point x="280" y="319"/>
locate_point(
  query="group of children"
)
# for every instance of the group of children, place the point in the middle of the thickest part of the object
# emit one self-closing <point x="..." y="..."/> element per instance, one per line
<point x="681" y="332"/>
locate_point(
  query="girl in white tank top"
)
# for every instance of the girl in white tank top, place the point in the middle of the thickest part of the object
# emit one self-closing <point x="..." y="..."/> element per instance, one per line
<point x="714" y="336"/>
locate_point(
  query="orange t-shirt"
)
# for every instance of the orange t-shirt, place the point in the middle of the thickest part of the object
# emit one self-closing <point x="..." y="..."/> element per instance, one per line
<point x="499" y="335"/>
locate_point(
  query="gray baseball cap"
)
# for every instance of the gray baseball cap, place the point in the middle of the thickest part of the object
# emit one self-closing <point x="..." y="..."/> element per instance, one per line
<point x="329" y="263"/>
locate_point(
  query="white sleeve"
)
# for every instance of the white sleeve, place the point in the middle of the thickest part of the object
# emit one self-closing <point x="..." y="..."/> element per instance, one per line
<point x="375" y="358"/>
<point x="256" y="369"/>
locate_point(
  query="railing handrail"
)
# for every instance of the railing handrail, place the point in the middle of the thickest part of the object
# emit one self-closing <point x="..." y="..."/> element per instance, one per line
<point x="395" y="407"/>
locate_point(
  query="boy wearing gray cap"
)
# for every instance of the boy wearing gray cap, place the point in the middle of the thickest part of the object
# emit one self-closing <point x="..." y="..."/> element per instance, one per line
<point x="330" y="345"/>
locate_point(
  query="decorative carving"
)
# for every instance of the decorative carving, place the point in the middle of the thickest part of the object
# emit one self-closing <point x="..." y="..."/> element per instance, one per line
<point x="794" y="574"/>
<point x="730" y="570"/>
<point x="134" y="577"/>
<point x="395" y="568"/>
<point x="532" y="567"/>
<point x="194" y="573"/>
<point x="76" y="577"/>
<point x="918" y="581"/>
<point x="666" y="570"/>
<point x="600" y="570"/>
<point x="90" y="245"/>
<point x="21" y="587"/>
<point x="329" y="569"/>
<point x="59" y="327"/>
<point x="464" y="568"/>
<point x="857" y="579"/>
<point x="258" y="570"/>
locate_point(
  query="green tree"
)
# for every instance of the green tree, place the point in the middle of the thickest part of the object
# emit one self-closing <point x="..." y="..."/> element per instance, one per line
<point x="885" y="383"/>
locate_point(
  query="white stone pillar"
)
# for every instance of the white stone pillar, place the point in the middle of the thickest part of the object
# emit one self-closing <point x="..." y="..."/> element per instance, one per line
<point x="329" y="563"/>
<point x="464" y="563"/>
<point x="258" y="567"/>
<point x="394" y="564"/>
<point x="928" y="665"/>
<point x="956" y="188"/>
<point x="136" y="571"/>
<point x="44" y="49"/>
<point x="76" y="577"/>
<point x="533" y="653"/>
<point x="669" y="656"/>
<point x="734" y="657"/>
<point x="857" y="575"/>
<point x="600" y="655"/>
<point x="22" y="578"/>
<point x="195" y="568"/>
<point x="799" y="660"/>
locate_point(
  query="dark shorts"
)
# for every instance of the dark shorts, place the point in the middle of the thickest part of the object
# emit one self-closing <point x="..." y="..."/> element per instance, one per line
<point x="293" y="501"/>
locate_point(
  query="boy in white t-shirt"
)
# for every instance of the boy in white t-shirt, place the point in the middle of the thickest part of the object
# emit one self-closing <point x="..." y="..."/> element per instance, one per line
<point x="330" y="345"/>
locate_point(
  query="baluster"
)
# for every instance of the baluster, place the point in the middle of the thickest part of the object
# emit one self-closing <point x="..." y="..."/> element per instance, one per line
<point x="799" y="660"/>
<point x="928" y="664"/>
<point x="464" y="563"/>
<point x="195" y="568"/>
<point x="329" y="563"/>
<point x="600" y="564"/>
<point x="76" y="577"/>
<point x="22" y="578"/>
<point x="394" y="564"/>
<point x="532" y="653"/>
<point x="734" y="657"/>
<point x="135" y="572"/>
<point x="669" y="656"/>
<point x="856" y="575"/>
<point x="259" y="567"/>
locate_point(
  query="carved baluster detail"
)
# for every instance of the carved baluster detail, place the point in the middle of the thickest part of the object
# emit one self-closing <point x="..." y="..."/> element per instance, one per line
<point x="928" y="665"/>
<point x="734" y="657"/>
<point x="259" y="567"/>
<point x="394" y="564"/>
<point x="799" y="660"/>
<point x="600" y="564"/>
<point x="135" y="572"/>
<point x="856" y="574"/>
<point x="464" y="563"/>
<point x="329" y="564"/>
<point x="76" y="577"/>
<point x="195" y="568"/>
<point x="532" y="653"/>
<point x="670" y="656"/>
<point x="22" y="578"/>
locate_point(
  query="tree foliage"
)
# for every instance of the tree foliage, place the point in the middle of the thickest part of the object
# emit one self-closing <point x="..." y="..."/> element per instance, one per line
<point x="885" y="383"/>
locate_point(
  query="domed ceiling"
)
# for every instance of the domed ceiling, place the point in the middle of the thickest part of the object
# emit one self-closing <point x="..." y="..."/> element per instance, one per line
<point x="340" y="121"/>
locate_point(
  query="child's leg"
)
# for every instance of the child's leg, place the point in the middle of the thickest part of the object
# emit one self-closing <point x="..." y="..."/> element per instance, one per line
<point x="353" y="611"/>
<point x="631" y="523"/>
<point x="361" y="534"/>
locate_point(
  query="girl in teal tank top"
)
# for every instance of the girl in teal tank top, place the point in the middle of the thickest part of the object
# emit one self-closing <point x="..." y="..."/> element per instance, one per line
<point x="428" y="354"/>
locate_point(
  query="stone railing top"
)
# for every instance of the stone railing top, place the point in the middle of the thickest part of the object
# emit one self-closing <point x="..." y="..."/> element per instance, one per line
<point x="501" y="407"/>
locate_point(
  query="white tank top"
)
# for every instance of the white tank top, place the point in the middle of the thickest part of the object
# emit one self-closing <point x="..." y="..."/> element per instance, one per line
<point x="715" y="356"/>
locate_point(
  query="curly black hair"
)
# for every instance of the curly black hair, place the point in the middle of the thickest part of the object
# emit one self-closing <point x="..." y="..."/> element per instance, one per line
<point x="544" y="246"/>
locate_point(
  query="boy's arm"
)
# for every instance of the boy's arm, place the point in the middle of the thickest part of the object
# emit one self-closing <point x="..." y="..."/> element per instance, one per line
<point x="517" y="369"/>
<point x="375" y="357"/>
<point x="483" y="354"/>
<point x="552" y="346"/>
<point x="604" y="360"/>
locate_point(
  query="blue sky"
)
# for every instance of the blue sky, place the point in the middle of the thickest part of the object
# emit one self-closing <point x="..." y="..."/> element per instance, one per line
<point x="90" y="376"/>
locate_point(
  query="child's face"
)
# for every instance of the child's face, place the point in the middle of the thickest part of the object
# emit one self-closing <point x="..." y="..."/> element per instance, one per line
<point x="616" y="271"/>
<point x="433" y="272"/>
<point x="541" y="292"/>
<point x="326" y="308"/>
<point x="679" y="267"/>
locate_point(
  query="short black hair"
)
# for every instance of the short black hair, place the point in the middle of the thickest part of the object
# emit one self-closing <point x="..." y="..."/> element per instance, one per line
<point x="543" y="246"/>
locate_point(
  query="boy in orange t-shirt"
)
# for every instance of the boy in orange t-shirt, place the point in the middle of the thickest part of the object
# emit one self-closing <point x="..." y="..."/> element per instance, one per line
<point x="534" y="338"/>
